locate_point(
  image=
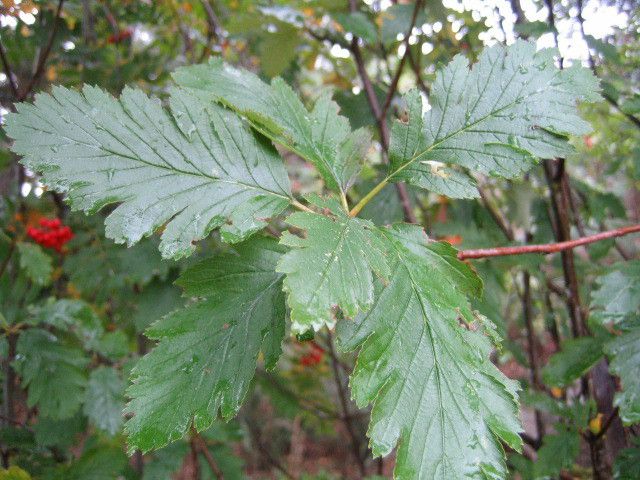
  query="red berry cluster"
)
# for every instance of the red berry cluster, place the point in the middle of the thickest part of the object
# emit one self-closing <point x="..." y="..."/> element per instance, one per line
<point x="119" y="37"/>
<point x="314" y="357"/>
<point x="52" y="234"/>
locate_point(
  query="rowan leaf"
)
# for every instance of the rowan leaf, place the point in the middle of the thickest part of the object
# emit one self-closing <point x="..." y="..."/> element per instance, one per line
<point x="104" y="399"/>
<point x="320" y="136"/>
<point x="194" y="167"/>
<point x="35" y="263"/>
<point x="207" y="351"/>
<point x="331" y="268"/>
<point x="514" y="105"/>
<point x="424" y="365"/>
<point x="52" y="371"/>
<point x="617" y="297"/>
<point x="407" y="139"/>
<point x="624" y="355"/>
<point x="575" y="359"/>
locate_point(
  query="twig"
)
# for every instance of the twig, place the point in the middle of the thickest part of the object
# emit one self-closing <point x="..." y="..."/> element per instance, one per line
<point x="355" y="442"/>
<point x="6" y="260"/>
<point x="546" y="248"/>
<point x="42" y="60"/>
<point x="527" y="311"/>
<point x="393" y="87"/>
<point x="607" y="423"/>
<point x="383" y="128"/>
<point x="8" y="71"/>
<point x="633" y="119"/>
<point x="201" y="445"/>
<point x="270" y="458"/>
<point x="496" y="214"/>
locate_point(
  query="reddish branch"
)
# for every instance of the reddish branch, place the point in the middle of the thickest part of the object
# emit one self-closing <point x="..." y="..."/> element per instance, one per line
<point x="547" y="247"/>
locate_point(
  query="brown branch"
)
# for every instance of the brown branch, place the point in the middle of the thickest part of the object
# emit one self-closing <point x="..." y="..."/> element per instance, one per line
<point x="8" y="71"/>
<point x="496" y="214"/>
<point x="344" y="403"/>
<point x="383" y="128"/>
<point x="546" y="248"/>
<point x="6" y="260"/>
<point x="393" y="87"/>
<point x="42" y="60"/>
<point x="202" y="447"/>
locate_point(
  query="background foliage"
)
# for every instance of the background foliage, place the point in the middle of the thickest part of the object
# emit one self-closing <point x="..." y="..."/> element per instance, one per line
<point x="73" y="310"/>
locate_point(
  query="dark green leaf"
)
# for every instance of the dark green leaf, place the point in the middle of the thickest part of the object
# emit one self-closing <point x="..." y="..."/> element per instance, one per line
<point x="424" y="365"/>
<point x="330" y="268"/>
<point x="207" y="351"/>
<point x="574" y="360"/>
<point x="53" y="373"/>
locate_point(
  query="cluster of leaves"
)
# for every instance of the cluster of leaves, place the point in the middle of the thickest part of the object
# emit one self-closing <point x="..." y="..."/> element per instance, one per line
<point x="201" y="168"/>
<point x="198" y="175"/>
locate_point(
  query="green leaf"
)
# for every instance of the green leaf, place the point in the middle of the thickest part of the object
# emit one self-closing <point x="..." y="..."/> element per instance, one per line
<point x="70" y="315"/>
<point x="533" y="29"/>
<point x="14" y="473"/>
<point x="53" y="373"/>
<point x="512" y="106"/>
<point x="330" y="268"/>
<point x="60" y="433"/>
<point x="194" y="168"/>
<point x="278" y="49"/>
<point x="607" y="50"/>
<point x="575" y="359"/>
<point x="35" y="263"/>
<point x="557" y="452"/>
<point x="358" y="24"/>
<point x="407" y="139"/>
<point x="104" y="399"/>
<point x="207" y="351"/>
<point x="101" y="462"/>
<point x="618" y="294"/>
<point x="631" y="106"/>
<point x="624" y="355"/>
<point x="433" y="389"/>
<point x="627" y="463"/>
<point x="321" y="136"/>
<point x="397" y="19"/>
<point x="156" y="300"/>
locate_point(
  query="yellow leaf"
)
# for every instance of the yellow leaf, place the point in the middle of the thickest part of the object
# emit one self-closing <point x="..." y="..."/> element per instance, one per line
<point x="595" y="424"/>
<point x="52" y="73"/>
<point x="14" y="473"/>
<point x="556" y="392"/>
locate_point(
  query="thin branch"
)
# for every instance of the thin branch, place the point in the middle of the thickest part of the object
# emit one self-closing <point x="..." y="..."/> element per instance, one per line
<point x="607" y="423"/>
<point x="546" y="248"/>
<point x="383" y="128"/>
<point x="42" y="60"/>
<point x="7" y="258"/>
<point x="201" y="445"/>
<point x="8" y="71"/>
<point x="396" y="78"/>
<point x="342" y="394"/>
<point x="496" y="214"/>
